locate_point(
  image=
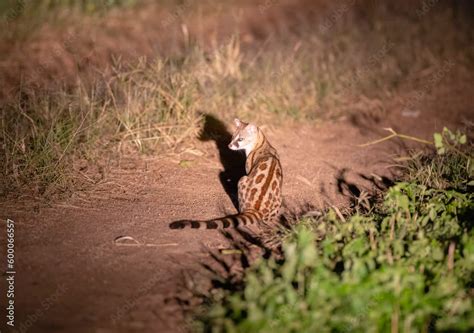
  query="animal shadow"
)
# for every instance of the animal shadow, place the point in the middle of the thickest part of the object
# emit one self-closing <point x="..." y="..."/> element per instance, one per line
<point x="232" y="161"/>
<point x="360" y="197"/>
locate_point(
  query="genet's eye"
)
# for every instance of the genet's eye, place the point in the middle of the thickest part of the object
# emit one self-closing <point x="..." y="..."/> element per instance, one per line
<point x="240" y="139"/>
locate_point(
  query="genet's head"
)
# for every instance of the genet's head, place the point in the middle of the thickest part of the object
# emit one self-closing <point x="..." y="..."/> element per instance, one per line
<point x="245" y="136"/>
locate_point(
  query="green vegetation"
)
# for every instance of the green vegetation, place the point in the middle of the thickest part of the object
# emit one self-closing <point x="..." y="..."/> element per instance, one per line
<point x="405" y="265"/>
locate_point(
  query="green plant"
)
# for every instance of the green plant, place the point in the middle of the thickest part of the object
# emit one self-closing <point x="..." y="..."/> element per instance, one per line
<point x="447" y="140"/>
<point x="406" y="266"/>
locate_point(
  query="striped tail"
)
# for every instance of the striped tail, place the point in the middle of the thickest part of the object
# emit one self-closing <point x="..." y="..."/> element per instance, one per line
<point x="247" y="217"/>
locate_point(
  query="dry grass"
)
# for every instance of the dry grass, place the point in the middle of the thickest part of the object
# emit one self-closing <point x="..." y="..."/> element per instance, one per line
<point x="154" y="105"/>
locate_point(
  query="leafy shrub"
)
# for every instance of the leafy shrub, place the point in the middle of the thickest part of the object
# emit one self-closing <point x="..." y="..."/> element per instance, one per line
<point x="407" y="266"/>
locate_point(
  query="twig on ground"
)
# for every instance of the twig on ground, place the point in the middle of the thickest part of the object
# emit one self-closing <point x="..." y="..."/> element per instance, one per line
<point x="396" y="135"/>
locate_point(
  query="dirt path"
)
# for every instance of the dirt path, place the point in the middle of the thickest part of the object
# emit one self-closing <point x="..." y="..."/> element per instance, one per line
<point x="72" y="278"/>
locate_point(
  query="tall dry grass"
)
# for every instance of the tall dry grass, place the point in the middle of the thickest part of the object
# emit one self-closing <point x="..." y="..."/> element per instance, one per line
<point x="155" y="105"/>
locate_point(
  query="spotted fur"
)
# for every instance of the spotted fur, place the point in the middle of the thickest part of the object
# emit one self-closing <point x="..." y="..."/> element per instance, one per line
<point x="259" y="192"/>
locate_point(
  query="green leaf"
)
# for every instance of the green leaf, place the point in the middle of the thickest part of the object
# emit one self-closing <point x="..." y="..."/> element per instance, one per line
<point x="438" y="140"/>
<point x="437" y="254"/>
<point x="470" y="167"/>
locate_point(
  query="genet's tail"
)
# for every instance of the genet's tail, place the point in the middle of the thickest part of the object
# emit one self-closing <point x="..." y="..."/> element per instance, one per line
<point x="245" y="218"/>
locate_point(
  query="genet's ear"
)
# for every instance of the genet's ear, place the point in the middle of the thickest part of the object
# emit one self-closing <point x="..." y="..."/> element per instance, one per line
<point x="252" y="128"/>
<point x="237" y="122"/>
